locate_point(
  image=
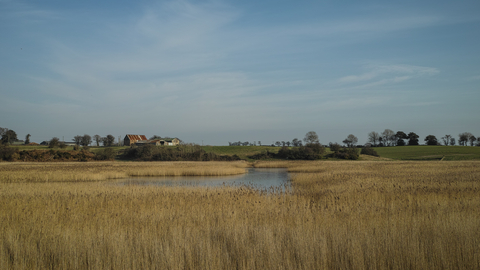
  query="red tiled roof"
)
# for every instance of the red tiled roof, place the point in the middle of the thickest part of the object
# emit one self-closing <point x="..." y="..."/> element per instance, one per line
<point x="137" y="137"/>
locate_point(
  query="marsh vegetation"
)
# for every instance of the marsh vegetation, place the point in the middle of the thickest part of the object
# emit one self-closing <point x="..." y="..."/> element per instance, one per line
<point x="339" y="215"/>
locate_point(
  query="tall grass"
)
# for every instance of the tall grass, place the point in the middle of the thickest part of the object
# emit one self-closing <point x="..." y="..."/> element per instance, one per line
<point x="74" y="171"/>
<point x="340" y="215"/>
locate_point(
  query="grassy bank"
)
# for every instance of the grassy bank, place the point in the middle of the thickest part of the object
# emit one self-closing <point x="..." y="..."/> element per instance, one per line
<point x="340" y="215"/>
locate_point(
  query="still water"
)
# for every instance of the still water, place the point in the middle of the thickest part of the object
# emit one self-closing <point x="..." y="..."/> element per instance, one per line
<point x="258" y="178"/>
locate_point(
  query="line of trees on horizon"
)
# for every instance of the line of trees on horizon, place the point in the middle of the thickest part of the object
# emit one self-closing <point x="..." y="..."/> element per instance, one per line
<point x="387" y="138"/>
<point x="375" y="139"/>
<point x="400" y="138"/>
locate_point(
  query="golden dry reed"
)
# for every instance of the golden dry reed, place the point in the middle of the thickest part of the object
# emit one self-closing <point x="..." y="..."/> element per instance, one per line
<point x="97" y="171"/>
<point x="340" y="215"/>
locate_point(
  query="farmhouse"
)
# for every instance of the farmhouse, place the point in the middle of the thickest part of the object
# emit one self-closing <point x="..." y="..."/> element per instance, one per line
<point x="169" y="141"/>
<point x="142" y="140"/>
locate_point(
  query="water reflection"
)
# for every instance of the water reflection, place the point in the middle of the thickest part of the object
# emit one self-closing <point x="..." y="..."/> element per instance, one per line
<point x="258" y="178"/>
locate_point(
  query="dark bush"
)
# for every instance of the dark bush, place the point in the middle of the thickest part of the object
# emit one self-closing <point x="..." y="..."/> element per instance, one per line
<point x="179" y="153"/>
<point x="54" y="142"/>
<point x="62" y="145"/>
<point x="335" y="147"/>
<point x="106" y="154"/>
<point x="309" y="152"/>
<point x="8" y="153"/>
<point x="317" y="148"/>
<point x="369" y="151"/>
<point x="263" y="155"/>
<point x="346" y="153"/>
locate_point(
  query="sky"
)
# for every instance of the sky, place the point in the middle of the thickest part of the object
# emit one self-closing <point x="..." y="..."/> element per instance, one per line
<point x="213" y="72"/>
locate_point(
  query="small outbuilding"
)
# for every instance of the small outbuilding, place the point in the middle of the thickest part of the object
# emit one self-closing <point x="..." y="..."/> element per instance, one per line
<point x="132" y="139"/>
<point x="169" y="141"/>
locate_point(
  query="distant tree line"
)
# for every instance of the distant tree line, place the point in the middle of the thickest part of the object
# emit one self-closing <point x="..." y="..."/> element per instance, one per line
<point x="295" y="143"/>
<point x="400" y="138"/>
<point x="86" y="140"/>
<point x="312" y="149"/>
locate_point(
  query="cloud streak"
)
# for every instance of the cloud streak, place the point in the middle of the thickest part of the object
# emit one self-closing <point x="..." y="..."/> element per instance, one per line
<point x="219" y="66"/>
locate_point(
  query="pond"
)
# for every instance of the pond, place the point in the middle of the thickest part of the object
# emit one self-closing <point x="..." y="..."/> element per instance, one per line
<point x="269" y="179"/>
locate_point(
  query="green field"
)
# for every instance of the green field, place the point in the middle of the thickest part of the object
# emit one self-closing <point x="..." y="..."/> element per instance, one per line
<point x="424" y="152"/>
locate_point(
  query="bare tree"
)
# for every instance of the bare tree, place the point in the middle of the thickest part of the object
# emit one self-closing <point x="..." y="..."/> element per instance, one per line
<point x="463" y="138"/>
<point x="388" y="137"/>
<point x="446" y="139"/>
<point x="78" y="139"/>
<point x="311" y="138"/>
<point x="374" y="138"/>
<point x="472" y="140"/>
<point x="27" y="139"/>
<point x="351" y="140"/>
<point x="452" y="141"/>
<point x="97" y="139"/>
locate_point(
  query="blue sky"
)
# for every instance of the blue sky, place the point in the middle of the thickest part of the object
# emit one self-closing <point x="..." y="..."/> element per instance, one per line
<point x="220" y="71"/>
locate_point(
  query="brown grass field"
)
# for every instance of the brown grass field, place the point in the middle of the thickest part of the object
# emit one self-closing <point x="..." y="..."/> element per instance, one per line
<point x="339" y="215"/>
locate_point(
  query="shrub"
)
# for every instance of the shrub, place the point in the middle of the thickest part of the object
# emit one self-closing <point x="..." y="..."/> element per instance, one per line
<point x="54" y="142"/>
<point x="8" y="153"/>
<point x="369" y="151"/>
<point x="264" y="155"/>
<point x="311" y="151"/>
<point x="180" y="153"/>
<point x="346" y="153"/>
<point x="335" y="147"/>
<point x="106" y="154"/>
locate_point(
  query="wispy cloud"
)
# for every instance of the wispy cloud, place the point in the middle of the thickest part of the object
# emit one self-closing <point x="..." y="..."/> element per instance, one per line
<point x="419" y="104"/>
<point x="474" y="78"/>
<point x="395" y="73"/>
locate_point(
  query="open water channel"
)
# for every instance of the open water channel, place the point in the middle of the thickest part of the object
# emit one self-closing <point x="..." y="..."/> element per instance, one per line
<point x="269" y="179"/>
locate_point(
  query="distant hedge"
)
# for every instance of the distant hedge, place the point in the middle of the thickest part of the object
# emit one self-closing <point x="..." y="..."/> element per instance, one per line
<point x="13" y="154"/>
<point x="309" y="152"/>
<point x="169" y="153"/>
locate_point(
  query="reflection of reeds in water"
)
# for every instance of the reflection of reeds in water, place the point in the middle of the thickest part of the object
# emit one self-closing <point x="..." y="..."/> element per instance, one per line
<point x="52" y="172"/>
<point x="260" y="179"/>
<point x="341" y="215"/>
